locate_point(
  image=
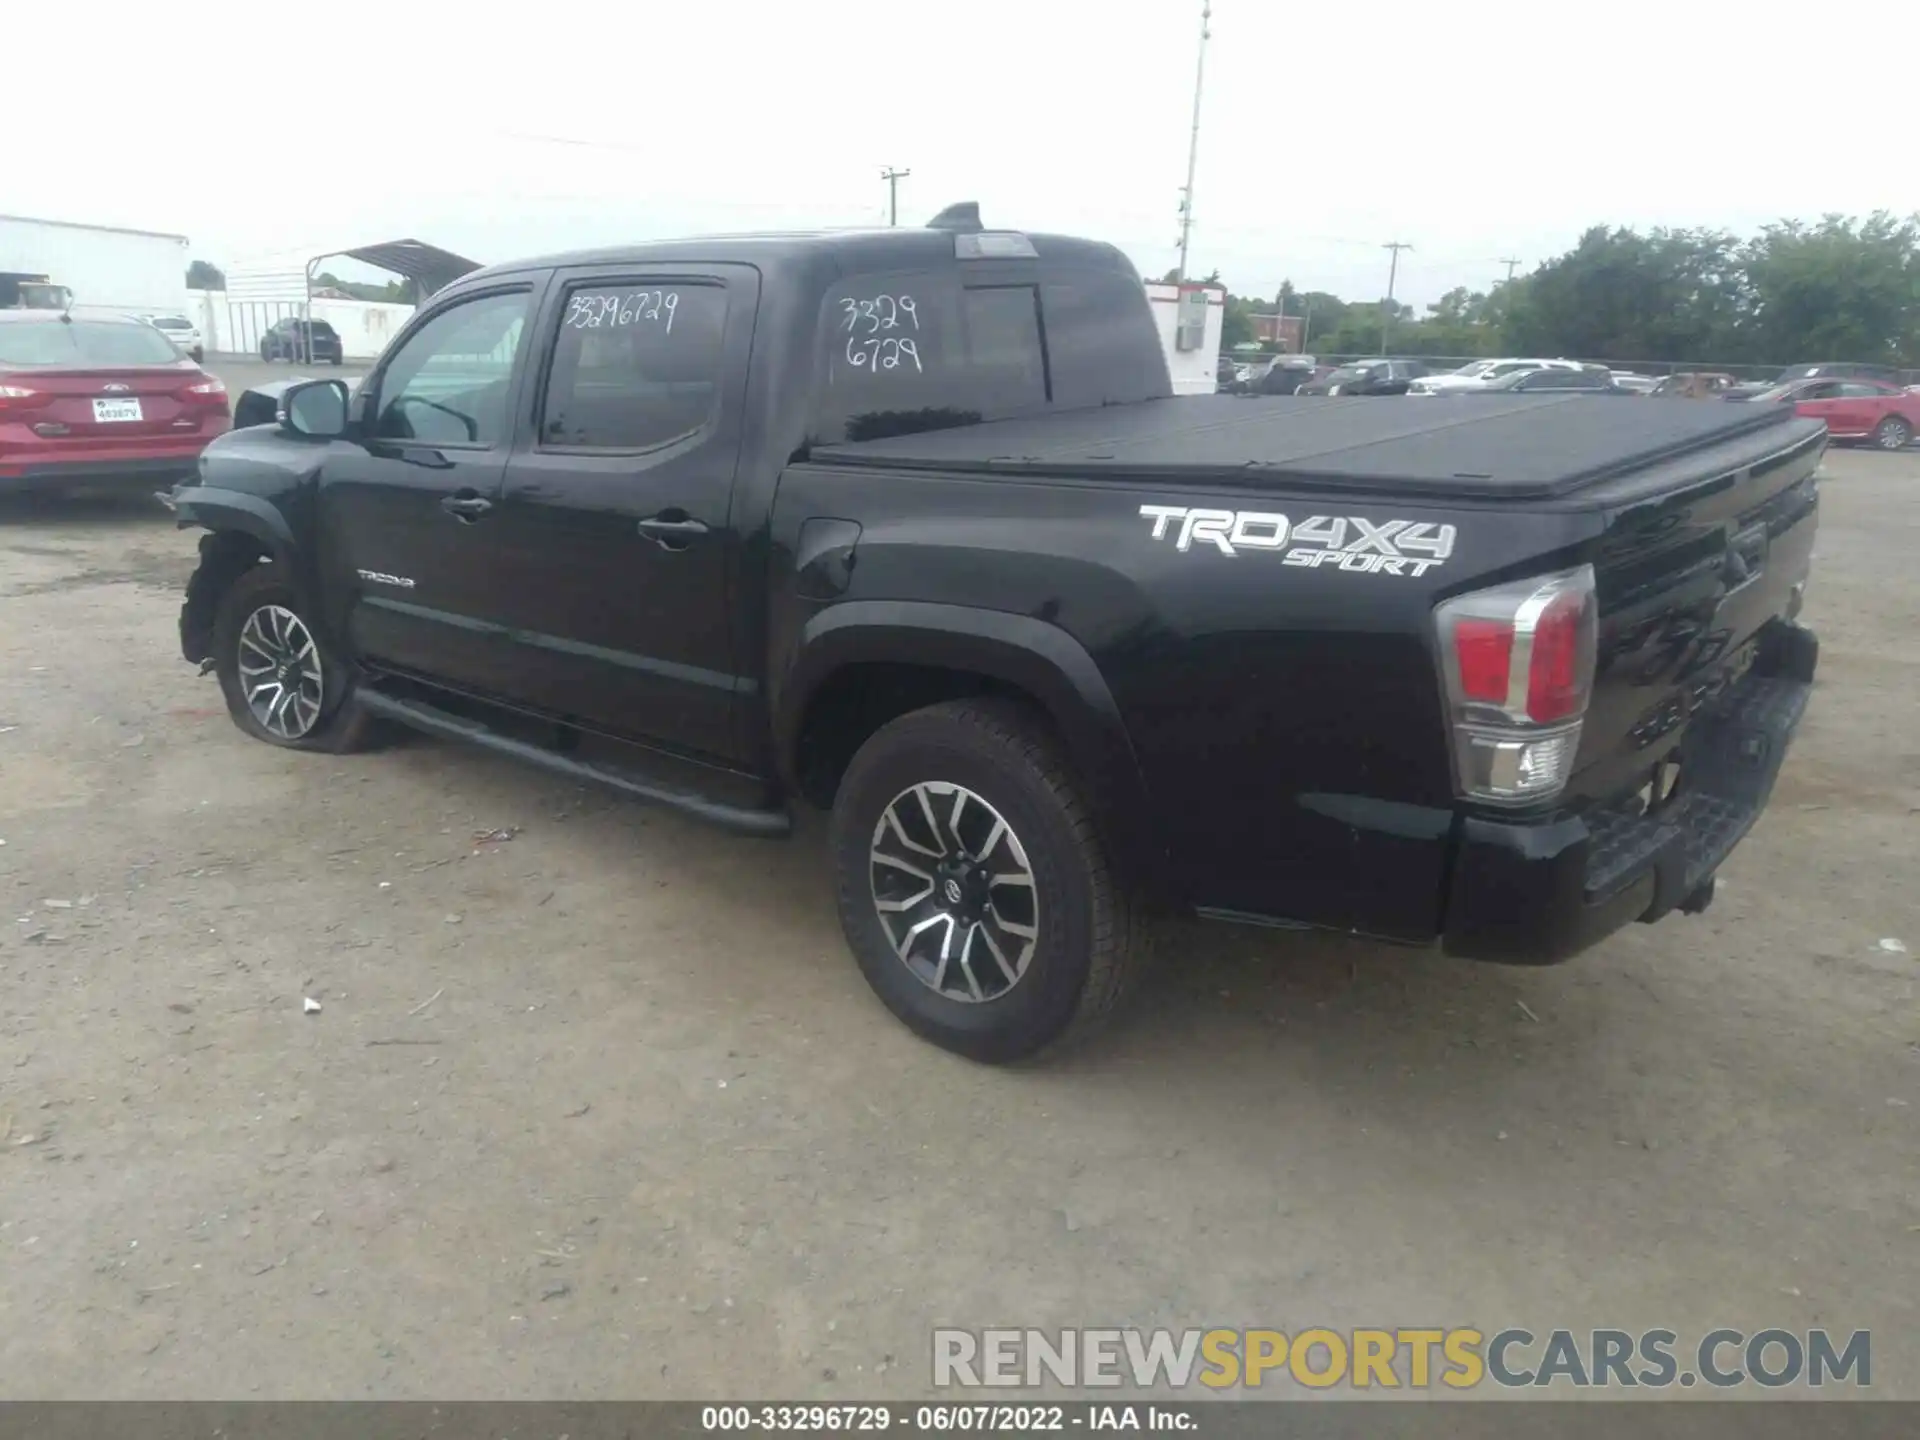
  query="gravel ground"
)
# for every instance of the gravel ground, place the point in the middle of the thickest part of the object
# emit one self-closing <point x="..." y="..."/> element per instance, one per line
<point x="605" y="1110"/>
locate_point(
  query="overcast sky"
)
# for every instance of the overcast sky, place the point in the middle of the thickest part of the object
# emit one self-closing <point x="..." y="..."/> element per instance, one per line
<point x="1474" y="131"/>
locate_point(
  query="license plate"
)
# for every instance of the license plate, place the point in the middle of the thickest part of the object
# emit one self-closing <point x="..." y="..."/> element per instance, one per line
<point x="106" y="412"/>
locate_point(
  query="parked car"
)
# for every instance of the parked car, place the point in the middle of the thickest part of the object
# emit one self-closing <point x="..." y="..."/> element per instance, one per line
<point x="306" y="341"/>
<point x="1589" y="380"/>
<point x="1477" y="373"/>
<point x="95" y="402"/>
<point x="1367" y="377"/>
<point x="1693" y="385"/>
<point x="1817" y="370"/>
<point x="182" y="332"/>
<point x="1853" y="409"/>
<point x="1287" y="375"/>
<point x="638" y="516"/>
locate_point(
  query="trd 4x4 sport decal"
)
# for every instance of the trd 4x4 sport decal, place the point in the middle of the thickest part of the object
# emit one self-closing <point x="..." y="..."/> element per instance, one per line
<point x="1343" y="542"/>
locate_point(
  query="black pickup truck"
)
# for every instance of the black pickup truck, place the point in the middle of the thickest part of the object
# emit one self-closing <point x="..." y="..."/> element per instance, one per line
<point x="908" y="525"/>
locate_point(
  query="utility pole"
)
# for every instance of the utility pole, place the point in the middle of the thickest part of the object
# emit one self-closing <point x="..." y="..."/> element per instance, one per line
<point x="1511" y="265"/>
<point x="1193" y="143"/>
<point x="893" y="178"/>
<point x="1393" y="273"/>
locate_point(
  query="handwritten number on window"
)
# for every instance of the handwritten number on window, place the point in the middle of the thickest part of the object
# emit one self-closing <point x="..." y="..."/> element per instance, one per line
<point x="878" y="315"/>
<point x="883" y="353"/>
<point x="879" y="331"/>
<point x="635" y="307"/>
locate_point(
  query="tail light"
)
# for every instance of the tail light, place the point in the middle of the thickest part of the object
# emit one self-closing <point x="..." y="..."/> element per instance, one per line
<point x="208" y="391"/>
<point x="19" y="397"/>
<point x="1518" y="661"/>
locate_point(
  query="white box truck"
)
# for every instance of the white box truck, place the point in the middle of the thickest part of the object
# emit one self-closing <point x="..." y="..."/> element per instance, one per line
<point x="106" y="270"/>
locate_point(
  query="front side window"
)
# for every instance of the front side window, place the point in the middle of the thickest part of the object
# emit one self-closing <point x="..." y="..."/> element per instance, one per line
<point x="447" y="383"/>
<point x="635" y="366"/>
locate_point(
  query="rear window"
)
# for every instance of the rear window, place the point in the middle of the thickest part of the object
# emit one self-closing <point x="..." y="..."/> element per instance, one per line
<point x="84" y="342"/>
<point x="320" y="329"/>
<point x="171" y="322"/>
<point x="913" y="352"/>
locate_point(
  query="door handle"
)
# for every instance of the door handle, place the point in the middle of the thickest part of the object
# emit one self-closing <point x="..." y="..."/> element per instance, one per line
<point x="465" y="505"/>
<point x="672" y="529"/>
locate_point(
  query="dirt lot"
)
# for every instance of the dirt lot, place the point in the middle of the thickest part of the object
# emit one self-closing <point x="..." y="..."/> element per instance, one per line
<point x="605" y="1110"/>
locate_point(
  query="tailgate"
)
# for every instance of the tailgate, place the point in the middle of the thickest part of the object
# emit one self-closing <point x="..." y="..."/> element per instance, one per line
<point x="1688" y="573"/>
<point x="96" y="407"/>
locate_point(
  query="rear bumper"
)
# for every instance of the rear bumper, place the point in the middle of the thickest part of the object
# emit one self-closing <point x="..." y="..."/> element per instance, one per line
<point x="1533" y="893"/>
<point x="142" y="473"/>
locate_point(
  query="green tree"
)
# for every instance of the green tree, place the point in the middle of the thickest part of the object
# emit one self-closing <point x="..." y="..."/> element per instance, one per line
<point x="1620" y="295"/>
<point x="1838" y="290"/>
<point x="204" y="276"/>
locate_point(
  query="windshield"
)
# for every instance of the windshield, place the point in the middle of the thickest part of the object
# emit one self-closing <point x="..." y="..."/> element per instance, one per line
<point x="84" y="343"/>
<point x="1776" y="392"/>
<point x="1351" y="372"/>
<point x="1796" y="372"/>
<point x="1475" y="367"/>
<point x="173" y="322"/>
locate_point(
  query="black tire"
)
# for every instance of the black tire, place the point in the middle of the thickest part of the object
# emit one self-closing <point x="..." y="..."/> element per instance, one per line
<point x="340" y="725"/>
<point x="1091" y="942"/>
<point x="1893" y="433"/>
<point x="266" y="356"/>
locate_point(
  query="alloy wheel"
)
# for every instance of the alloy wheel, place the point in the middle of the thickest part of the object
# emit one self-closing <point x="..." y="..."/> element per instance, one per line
<point x="1892" y="435"/>
<point x="280" y="672"/>
<point x="954" y="891"/>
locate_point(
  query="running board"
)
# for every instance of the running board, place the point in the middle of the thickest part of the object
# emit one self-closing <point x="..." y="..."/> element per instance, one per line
<point x="434" y="721"/>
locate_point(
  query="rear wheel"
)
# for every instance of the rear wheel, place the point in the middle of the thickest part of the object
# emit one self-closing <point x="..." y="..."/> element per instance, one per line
<point x="975" y="891"/>
<point x="280" y="684"/>
<point x="1893" y="433"/>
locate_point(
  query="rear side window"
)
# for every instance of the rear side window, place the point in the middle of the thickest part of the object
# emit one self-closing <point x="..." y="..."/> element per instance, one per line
<point x="918" y="352"/>
<point x="84" y="342"/>
<point x="634" y="367"/>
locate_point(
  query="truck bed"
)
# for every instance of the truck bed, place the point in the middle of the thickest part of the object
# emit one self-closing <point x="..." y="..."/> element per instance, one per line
<point x="1523" y="446"/>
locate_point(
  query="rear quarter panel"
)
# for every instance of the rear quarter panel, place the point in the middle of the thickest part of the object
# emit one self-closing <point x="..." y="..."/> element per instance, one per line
<point x="1285" y="716"/>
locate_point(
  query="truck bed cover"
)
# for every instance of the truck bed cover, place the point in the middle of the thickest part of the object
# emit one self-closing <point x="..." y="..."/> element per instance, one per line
<point x="1516" y="447"/>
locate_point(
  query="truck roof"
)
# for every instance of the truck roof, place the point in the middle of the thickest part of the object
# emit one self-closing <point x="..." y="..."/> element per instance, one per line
<point x="852" y="251"/>
<point x="1517" y="446"/>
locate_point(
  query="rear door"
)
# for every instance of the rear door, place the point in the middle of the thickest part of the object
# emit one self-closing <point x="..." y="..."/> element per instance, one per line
<point x="615" y="548"/>
<point x="1858" y="407"/>
<point x="405" y="504"/>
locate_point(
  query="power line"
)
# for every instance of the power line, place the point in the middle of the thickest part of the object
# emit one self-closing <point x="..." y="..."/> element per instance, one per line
<point x="893" y="178"/>
<point x="1393" y="273"/>
<point x="1193" y="142"/>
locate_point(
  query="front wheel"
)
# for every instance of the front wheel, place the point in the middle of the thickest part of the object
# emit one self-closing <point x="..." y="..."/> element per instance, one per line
<point x="1893" y="433"/>
<point x="975" y="891"/>
<point x="280" y="684"/>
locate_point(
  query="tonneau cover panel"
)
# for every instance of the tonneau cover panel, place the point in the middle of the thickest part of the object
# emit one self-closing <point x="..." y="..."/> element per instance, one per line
<point x="1509" y="446"/>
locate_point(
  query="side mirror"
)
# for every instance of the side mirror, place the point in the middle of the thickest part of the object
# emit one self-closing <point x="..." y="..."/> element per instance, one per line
<point x="314" y="409"/>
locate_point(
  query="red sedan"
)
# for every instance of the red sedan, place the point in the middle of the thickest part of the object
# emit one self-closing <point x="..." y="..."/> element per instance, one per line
<point x="89" y="402"/>
<point x="1853" y="409"/>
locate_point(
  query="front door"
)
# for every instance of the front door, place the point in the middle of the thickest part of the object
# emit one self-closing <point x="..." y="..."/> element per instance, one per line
<point x="405" y="503"/>
<point x="615" y="545"/>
